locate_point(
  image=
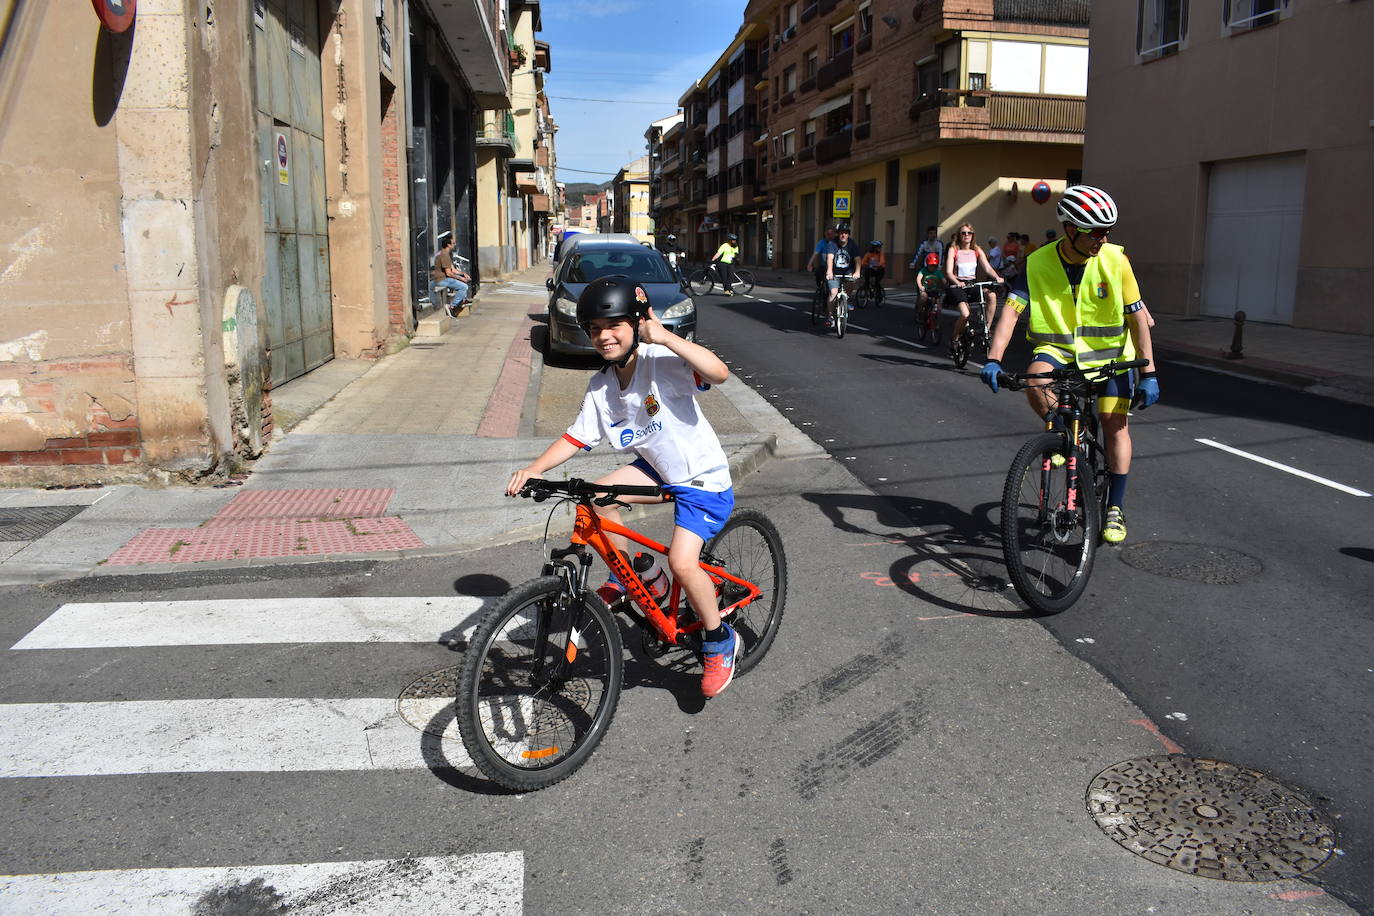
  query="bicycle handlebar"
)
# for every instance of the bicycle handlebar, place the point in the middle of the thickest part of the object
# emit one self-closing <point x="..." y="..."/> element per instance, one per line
<point x="541" y="489"/>
<point x="1070" y="374"/>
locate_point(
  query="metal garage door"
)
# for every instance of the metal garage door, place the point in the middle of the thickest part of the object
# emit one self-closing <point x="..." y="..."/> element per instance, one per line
<point x="296" y="297"/>
<point x="1254" y="228"/>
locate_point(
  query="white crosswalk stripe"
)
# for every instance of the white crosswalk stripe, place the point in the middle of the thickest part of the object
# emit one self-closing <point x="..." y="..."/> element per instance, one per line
<point x="56" y="740"/>
<point x="475" y="885"/>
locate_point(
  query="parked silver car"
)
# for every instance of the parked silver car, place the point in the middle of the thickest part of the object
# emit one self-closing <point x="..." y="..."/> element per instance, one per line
<point x="595" y="257"/>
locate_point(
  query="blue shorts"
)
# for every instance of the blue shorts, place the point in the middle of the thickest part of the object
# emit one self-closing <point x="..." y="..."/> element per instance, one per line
<point x="701" y="512"/>
<point x="1113" y="396"/>
<point x="837" y="280"/>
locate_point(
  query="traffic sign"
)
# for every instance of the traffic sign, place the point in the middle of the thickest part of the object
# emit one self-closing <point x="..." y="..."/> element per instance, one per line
<point x="842" y="203"/>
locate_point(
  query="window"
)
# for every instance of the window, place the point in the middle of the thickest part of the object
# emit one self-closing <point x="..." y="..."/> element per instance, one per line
<point x="787" y="143"/>
<point x="812" y="64"/>
<point x="809" y="134"/>
<point x="949" y="70"/>
<point x="839" y="120"/>
<point x="894" y="177"/>
<point x="928" y="82"/>
<point x="789" y="79"/>
<point x="842" y="38"/>
<point x="865" y="20"/>
<point x="789" y="18"/>
<point x="1161" y="28"/>
<point x="867" y="109"/>
<point x="1244" y="15"/>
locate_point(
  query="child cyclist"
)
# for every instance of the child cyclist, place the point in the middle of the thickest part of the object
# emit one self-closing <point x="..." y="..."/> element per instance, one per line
<point x="644" y="401"/>
<point x="930" y="281"/>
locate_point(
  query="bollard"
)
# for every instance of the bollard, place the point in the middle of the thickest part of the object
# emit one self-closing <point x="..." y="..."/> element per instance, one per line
<point x="1236" y="343"/>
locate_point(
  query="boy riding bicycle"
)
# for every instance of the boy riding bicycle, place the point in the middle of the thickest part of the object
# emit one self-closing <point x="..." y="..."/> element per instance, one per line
<point x="644" y="401"/>
<point x="930" y="282"/>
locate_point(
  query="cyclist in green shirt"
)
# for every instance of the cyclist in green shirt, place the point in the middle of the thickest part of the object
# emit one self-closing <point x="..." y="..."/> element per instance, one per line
<point x="724" y="259"/>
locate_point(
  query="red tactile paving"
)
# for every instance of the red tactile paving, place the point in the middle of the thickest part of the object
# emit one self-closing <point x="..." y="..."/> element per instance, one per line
<point x="501" y="418"/>
<point x="253" y="505"/>
<point x="278" y="538"/>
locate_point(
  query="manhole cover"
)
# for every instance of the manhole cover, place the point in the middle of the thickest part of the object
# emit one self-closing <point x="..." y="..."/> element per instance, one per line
<point x="1193" y="562"/>
<point x="427" y="704"/>
<point x="31" y="524"/>
<point x="1209" y="818"/>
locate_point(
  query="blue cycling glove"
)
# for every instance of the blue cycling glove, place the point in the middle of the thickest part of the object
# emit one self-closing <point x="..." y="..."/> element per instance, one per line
<point x="989" y="376"/>
<point x="1148" y="391"/>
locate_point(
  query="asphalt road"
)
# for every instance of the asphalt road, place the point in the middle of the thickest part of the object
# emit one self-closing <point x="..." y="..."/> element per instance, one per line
<point x="913" y="742"/>
<point x="1272" y="672"/>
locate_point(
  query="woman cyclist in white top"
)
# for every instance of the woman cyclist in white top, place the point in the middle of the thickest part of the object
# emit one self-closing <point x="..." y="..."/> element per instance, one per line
<point x="962" y="262"/>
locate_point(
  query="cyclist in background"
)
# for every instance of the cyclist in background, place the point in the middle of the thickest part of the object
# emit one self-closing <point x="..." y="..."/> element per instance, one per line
<point x="872" y="268"/>
<point x="724" y="260"/>
<point x="816" y="264"/>
<point x="841" y="256"/>
<point x="931" y="243"/>
<point x="1085" y="310"/>
<point x="644" y="402"/>
<point x="930" y="282"/>
<point x="673" y="252"/>
<point x="961" y="267"/>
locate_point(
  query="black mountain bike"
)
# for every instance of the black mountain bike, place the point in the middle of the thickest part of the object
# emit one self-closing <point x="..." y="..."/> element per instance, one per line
<point x="1055" y="496"/>
<point x="869" y="290"/>
<point x="976" y="328"/>
<point x="703" y="280"/>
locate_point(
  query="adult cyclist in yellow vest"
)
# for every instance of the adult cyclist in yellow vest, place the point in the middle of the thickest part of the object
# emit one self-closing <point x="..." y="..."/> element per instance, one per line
<point x="1085" y="309"/>
<point x="724" y="259"/>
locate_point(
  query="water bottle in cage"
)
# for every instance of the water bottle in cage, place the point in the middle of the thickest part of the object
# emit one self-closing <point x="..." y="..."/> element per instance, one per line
<point x="648" y="568"/>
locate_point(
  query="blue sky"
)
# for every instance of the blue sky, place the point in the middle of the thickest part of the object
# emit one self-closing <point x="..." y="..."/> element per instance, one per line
<point x="630" y="51"/>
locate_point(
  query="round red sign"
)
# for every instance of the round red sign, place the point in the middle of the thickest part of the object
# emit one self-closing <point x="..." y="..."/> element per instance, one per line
<point x="115" y="15"/>
<point x="1040" y="192"/>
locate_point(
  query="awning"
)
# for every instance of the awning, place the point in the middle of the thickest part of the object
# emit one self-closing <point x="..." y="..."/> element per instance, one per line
<point x="826" y="107"/>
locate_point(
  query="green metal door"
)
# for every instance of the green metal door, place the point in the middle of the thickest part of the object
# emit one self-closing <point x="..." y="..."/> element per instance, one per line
<point x="296" y="296"/>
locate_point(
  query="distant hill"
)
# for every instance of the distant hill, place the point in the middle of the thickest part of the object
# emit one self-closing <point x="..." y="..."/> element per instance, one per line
<point x="577" y="190"/>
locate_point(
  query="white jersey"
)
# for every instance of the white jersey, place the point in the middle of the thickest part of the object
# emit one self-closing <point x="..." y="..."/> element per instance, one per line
<point x="657" y="418"/>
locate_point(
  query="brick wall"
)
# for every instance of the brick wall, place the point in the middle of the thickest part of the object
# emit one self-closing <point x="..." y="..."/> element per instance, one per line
<point x="393" y="218"/>
<point x="57" y="396"/>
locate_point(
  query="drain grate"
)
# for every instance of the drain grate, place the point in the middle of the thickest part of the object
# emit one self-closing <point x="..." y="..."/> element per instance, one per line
<point x="1192" y="562"/>
<point x="1210" y="819"/>
<point x="427" y="703"/>
<point x="33" y="523"/>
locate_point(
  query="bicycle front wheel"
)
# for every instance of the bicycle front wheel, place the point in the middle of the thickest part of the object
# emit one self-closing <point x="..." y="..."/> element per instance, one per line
<point x="744" y="282"/>
<point x="961" y="348"/>
<point x="538" y="685"/>
<point x="1049" y="527"/>
<point x="841" y="314"/>
<point x="701" y="283"/>
<point x="750" y="547"/>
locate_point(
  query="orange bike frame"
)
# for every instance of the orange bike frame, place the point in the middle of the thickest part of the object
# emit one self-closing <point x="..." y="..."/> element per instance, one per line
<point x="593" y="531"/>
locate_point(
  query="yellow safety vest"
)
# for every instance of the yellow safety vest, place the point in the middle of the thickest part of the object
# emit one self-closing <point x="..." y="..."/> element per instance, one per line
<point x="1092" y="326"/>
<point x="726" y="253"/>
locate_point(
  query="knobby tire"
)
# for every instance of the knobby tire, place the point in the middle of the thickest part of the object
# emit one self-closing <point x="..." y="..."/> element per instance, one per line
<point x="528" y="726"/>
<point x="1049" y="551"/>
<point x="749" y="546"/>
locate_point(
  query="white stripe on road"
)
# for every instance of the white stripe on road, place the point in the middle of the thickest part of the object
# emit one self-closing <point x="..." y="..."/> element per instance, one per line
<point x="221" y="736"/>
<point x="455" y="885"/>
<point x="1283" y="467"/>
<point x="237" y="621"/>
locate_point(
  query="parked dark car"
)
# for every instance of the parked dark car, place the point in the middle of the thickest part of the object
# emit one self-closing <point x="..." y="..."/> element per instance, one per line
<point x="592" y="259"/>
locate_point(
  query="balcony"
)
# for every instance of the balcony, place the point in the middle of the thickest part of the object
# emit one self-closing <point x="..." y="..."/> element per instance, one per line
<point x="671" y="166"/>
<point x="669" y="199"/>
<point x="807" y="85"/>
<point x="786" y="162"/>
<point x="864" y="44"/>
<point x="806" y="153"/>
<point x="809" y="12"/>
<point x="498" y="131"/>
<point x="539" y="203"/>
<point x="471" y="25"/>
<point x="995" y="115"/>
<point x="787" y="98"/>
<point x="835" y="148"/>
<point x="835" y="69"/>
<point x="826" y="6"/>
<point x="541" y="157"/>
<point x="1043" y="12"/>
<point x="862" y="130"/>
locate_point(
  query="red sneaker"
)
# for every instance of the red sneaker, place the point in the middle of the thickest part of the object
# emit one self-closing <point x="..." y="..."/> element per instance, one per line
<point x="718" y="663"/>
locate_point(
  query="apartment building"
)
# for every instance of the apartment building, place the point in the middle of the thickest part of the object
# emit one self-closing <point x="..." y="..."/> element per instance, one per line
<point x="654" y="142"/>
<point x="1252" y="189"/>
<point x="630" y="200"/>
<point x="254" y="187"/>
<point x="915" y="115"/>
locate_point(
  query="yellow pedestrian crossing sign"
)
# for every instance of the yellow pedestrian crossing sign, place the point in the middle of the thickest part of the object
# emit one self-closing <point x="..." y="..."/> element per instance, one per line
<point x="841" y="204"/>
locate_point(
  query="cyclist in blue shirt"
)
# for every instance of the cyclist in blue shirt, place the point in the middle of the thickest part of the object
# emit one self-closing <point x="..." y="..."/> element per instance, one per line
<point x="841" y="260"/>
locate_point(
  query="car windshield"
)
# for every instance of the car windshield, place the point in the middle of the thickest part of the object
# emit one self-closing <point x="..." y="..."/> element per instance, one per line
<point x="644" y="266"/>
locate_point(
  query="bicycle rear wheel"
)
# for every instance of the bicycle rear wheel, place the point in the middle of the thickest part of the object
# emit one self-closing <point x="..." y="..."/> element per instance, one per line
<point x="934" y="318"/>
<point x="538" y="685"/>
<point x="1048" y="547"/>
<point x="744" y="282"/>
<point x="700" y="282"/>
<point x="817" y="305"/>
<point x="922" y="322"/>
<point x="861" y="297"/>
<point x="750" y="547"/>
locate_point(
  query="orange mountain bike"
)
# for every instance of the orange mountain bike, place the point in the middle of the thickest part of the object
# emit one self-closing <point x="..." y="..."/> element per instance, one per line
<point x="542" y="671"/>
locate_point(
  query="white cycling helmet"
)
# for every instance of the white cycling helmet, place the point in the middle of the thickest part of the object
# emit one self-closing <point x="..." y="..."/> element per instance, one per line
<point x="1087" y="207"/>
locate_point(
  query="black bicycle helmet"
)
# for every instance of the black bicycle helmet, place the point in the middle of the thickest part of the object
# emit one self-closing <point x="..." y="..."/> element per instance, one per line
<point x="875" y="244"/>
<point x="732" y="237"/>
<point x="841" y="227"/>
<point x="616" y="296"/>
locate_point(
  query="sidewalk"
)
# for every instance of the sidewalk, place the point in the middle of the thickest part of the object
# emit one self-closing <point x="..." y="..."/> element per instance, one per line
<point x="408" y="455"/>
<point x="1323" y="363"/>
<point x="403" y="456"/>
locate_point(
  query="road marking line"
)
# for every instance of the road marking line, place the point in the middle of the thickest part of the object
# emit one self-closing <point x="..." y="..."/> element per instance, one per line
<point x="769" y="301"/>
<point x="1283" y="467"/>
<point x="291" y="734"/>
<point x="791" y="308"/>
<point x="909" y="343"/>
<point x="269" y="620"/>
<point x="492" y="882"/>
